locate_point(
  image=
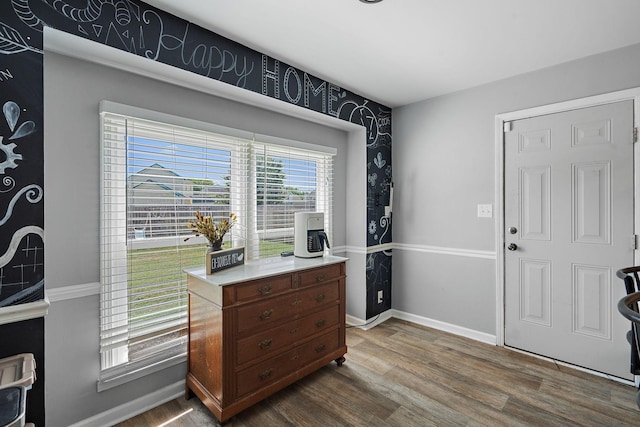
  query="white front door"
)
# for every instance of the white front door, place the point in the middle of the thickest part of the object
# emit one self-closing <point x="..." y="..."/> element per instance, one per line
<point x="569" y="227"/>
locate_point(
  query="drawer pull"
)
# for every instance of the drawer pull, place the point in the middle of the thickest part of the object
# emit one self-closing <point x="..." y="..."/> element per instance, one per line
<point x="265" y="374"/>
<point x="294" y="331"/>
<point x="265" y="290"/>
<point x="265" y="344"/>
<point x="321" y="277"/>
<point x="266" y="315"/>
<point x="296" y="302"/>
<point x="320" y="323"/>
<point x="320" y="298"/>
<point x="320" y="348"/>
<point x="295" y="357"/>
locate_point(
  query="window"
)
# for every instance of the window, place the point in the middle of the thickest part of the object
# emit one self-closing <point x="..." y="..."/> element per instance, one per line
<point x="156" y="173"/>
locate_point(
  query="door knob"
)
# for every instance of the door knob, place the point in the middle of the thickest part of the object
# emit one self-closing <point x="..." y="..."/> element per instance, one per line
<point x="512" y="246"/>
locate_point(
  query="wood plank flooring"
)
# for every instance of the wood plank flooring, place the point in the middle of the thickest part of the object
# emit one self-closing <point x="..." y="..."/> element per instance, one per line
<point x="403" y="374"/>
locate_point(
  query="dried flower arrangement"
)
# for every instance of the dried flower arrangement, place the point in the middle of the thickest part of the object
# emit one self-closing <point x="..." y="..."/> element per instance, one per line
<point x="212" y="231"/>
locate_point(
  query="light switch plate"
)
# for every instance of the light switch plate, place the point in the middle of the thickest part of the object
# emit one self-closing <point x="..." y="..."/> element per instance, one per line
<point x="485" y="211"/>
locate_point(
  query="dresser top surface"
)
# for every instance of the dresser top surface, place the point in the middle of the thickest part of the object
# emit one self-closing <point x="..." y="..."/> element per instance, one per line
<point x="261" y="268"/>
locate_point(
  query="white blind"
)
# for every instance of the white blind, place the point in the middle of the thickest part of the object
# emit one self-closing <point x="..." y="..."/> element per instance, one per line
<point x="155" y="176"/>
<point x="288" y="180"/>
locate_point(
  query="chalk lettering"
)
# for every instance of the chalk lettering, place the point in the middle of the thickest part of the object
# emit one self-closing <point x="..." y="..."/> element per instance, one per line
<point x="5" y="75"/>
<point x="333" y="89"/>
<point x="221" y="261"/>
<point x="298" y="84"/>
<point x="308" y="84"/>
<point x="294" y="86"/>
<point x="208" y="60"/>
<point x="270" y="75"/>
<point x="384" y="121"/>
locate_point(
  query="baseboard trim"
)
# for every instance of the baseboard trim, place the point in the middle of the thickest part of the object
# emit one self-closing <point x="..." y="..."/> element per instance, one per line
<point x="446" y="327"/>
<point x="355" y="322"/>
<point x="135" y="407"/>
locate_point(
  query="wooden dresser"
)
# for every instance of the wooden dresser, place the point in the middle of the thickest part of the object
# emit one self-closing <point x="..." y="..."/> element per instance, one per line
<point x="255" y="329"/>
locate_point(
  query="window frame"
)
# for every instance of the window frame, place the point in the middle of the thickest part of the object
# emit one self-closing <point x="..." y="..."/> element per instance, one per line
<point x="242" y="202"/>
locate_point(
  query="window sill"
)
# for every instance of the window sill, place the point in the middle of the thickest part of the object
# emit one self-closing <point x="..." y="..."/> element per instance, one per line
<point x="119" y="375"/>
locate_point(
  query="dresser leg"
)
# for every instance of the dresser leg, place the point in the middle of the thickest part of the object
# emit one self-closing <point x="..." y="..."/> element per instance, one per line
<point x="340" y="360"/>
<point x="188" y="394"/>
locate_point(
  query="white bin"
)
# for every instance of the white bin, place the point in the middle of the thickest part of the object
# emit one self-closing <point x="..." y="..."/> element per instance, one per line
<point x="13" y="402"/>
<point x="17" y="374"/>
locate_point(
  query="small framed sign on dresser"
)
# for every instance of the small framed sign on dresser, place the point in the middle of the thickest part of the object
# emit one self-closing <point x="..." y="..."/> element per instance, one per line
<point x="227" y="258"/>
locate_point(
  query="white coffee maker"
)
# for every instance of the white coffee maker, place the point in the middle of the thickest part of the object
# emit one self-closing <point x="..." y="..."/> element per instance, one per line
<point x="309" y="235"/>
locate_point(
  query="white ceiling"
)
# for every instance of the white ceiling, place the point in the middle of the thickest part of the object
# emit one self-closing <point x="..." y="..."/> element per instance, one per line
<point x="401" y="51"/>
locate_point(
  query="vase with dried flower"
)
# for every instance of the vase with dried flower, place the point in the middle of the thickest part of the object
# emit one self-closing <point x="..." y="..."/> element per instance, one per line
<point x="211" y="230"/>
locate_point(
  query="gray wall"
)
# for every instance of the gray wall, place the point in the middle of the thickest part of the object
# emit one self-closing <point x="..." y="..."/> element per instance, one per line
<point x="444" y="158"/>
<point x="73" y="89"/>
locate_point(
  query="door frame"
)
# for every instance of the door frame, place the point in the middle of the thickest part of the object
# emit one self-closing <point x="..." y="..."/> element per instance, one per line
<point x="500" y="120"/>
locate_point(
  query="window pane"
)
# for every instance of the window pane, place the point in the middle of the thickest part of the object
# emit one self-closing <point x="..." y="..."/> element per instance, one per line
<point x="172" y="174"/>
<point x="286" y="182"/>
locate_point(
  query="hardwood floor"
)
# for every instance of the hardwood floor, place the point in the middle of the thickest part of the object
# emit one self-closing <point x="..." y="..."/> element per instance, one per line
<point x="402" y="374"/>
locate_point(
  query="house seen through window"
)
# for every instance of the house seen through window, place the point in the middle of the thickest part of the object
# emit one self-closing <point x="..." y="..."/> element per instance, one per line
<point x="155" y="177"/>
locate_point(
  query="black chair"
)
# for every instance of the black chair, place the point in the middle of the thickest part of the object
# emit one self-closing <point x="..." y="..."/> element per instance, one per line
<point x="628" y="307"/>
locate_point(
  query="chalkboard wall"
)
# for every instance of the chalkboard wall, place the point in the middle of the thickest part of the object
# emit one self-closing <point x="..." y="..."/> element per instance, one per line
<point x="143" y="30"/>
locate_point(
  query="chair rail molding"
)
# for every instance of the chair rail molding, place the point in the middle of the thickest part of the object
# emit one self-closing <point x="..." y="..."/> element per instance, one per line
<point x="27" y="311"/>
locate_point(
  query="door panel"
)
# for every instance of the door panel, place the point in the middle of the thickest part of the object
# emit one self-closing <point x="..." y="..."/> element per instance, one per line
<point x="535" y="284"/>
<point x="569" y="194"/>
<point x="535" y="203"/>
<point x="592" y="291"/>
<point x="591" y="207"/>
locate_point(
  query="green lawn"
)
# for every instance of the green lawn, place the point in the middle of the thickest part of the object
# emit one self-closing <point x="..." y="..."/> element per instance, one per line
<point x="157" y="282"/>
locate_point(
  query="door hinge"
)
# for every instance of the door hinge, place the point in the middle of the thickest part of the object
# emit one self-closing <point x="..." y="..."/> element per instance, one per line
<point x="507" y="127"/>
<point x="635" y="135"/>
<point x="634" y="241"/>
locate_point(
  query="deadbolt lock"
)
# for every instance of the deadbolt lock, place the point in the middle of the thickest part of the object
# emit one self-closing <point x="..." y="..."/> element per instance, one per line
<point x="513" y="230"/>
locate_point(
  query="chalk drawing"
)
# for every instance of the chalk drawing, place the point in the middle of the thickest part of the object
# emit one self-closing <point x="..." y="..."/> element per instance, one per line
<point x="11" y="112"/>
<point x="11" y="41"/>
<point x="363" y="115"/>
<point x="379" y="161"/>
<point x="10" y="161"/>
<point x="88" y="14"/>
<point x="33" y="195"/>
<point x="385" y="222"/>
<point x="30" y="294"/>
<point x="24" y="13"/>
<point x="9" y="182"/>
<point x="15" y="242"/>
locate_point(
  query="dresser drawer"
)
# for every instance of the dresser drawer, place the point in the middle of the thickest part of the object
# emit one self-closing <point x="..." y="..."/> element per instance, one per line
<point x="258" y="289"/>
<point x="268" y="313"/>
<point x="271" y="341"/>
<point x="264" y="373"/>
<point x="317" y="296"/>
<point x="267" y="372"/>
<point x="319" y="347"/>
<point x="319" y="275"/>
